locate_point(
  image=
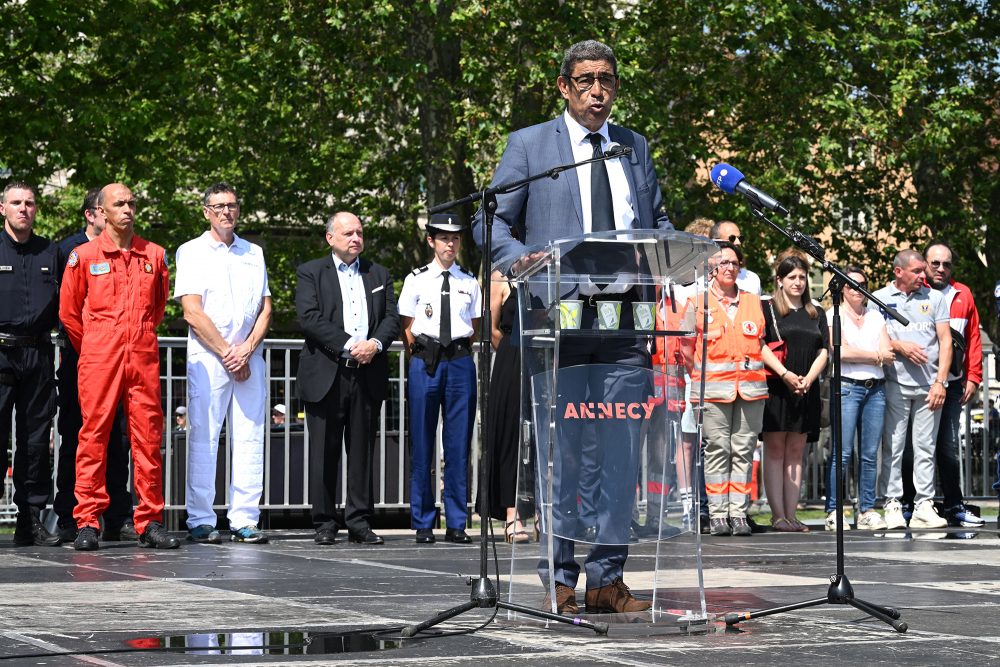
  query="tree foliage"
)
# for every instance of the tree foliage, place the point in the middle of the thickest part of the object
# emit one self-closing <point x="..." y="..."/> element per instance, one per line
<point x="874" y="121"/>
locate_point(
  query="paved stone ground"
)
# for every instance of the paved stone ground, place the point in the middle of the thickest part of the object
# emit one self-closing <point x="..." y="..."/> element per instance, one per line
<point x="103" y="608"/>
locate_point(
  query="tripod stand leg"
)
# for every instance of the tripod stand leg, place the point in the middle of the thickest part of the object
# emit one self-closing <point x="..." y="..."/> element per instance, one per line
<point x="734" y="618"/>
<point x="411" y="630"/>
<point x="878" y="612"/>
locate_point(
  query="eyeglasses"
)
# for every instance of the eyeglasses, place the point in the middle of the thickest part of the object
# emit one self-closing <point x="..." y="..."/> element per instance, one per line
<point x="219" y="208"/>
<point x="586" y="82"/>
<point x="728" y="262"/>
<point x="936" y="264"/>
<point x="733" y="238"/>
<point x="861" y="283"/>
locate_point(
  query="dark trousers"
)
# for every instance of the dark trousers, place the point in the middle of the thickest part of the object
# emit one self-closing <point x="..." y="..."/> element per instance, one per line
<point x="615" y="492"/>
<point x="69" y="424"/>
<point x="27" y="387"/>
<point x="347" y="415"/>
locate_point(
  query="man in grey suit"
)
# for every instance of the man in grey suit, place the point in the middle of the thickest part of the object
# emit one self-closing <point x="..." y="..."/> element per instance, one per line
<point x="347" y="309"/>
<point x="620" y="193"/>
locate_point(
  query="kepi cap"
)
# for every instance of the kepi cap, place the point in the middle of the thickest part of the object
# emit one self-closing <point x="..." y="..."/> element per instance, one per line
<point x="181" y="410"/>
<point x="445" y="222"/>
<point x="279" y="407"/>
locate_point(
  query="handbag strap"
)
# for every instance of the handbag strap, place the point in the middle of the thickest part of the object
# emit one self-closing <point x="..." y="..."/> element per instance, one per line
<point x="774" y="320"/>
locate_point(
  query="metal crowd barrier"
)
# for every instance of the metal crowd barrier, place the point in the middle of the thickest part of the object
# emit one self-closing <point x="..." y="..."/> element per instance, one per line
<point x="286" y="446"/>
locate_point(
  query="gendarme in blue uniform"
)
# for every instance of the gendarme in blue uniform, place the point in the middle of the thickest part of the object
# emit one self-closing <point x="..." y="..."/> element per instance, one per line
<point x="442" y="378"/>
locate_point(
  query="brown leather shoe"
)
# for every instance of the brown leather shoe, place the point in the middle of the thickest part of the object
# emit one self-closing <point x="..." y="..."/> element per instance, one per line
<point x="615" y="598"/>
<point x="565" y="601"/>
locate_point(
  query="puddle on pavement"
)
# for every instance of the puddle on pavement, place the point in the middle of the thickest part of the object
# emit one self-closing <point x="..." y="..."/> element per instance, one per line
<point x="273" y="643"/>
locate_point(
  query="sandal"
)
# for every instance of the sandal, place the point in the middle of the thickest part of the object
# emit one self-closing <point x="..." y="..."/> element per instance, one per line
<point x="513" y="536"/>
<point x="783" y="525"/>
<point x="799" y="526"/>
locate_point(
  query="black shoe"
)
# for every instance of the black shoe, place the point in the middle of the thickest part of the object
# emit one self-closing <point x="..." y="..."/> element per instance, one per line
<point x="755" y="527"/>
<point x="457" y="535"/>
<point x="157" y="537"/>
<point x="67" y="533"/>
<point x="86" y="539"/>
<point x="425" y="536"/>
<point x="704" y="524"/>
<point x="326" y="536"/>
<point x="123" y="533"/>
<point x="29" y="531"/>
<point x="633" y="535"/>
<point x="366" y="537"/>
<point x="589" y="534"/>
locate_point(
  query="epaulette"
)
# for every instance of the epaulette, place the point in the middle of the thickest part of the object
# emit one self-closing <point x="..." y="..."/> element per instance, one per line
<point x="465" y="271"/>
<point x="421" y="269"/>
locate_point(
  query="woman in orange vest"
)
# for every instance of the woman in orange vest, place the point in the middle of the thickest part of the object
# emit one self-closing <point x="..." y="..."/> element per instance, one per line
<point x="730" y="331"/>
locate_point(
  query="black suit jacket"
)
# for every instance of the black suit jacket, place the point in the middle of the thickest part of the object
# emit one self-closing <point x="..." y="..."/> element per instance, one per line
<point x="320" y="308"/>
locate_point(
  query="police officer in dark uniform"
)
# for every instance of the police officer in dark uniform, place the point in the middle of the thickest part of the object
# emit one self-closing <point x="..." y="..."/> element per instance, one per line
<point x="439" y="309"/>
<point x="28" y="312"/>
<point x="118" y="517"/>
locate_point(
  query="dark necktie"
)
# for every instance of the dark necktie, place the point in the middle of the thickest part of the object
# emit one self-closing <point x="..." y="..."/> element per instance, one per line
<point x="445" y="337"/>
<point x="602" y="211"/>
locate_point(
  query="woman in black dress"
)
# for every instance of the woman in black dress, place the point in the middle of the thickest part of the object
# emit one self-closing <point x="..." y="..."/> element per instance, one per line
<point x="792" y="411"/>
<point x="504" y="419"/>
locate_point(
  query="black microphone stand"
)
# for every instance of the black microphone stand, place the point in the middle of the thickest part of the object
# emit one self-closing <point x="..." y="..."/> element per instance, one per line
<point x="484" y="592"/>
<point x="840" y="590"/>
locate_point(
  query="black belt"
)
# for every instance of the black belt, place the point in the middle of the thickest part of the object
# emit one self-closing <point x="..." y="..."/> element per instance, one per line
<point x="350" y="362"/>
<point x="15" y="340"/>
<point x="591" y="300"/>
<point x="867" y="383"/>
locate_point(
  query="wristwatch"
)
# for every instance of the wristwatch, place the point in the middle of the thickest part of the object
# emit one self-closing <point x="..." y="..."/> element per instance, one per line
<point x="944" y="383"/>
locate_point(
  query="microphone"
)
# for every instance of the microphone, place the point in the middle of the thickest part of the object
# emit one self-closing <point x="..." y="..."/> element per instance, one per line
<point x="617" y="150"/>
<point x="730" y="180"/>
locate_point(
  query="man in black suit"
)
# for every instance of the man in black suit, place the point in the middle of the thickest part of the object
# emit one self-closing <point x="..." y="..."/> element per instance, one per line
<point x="347" y="310"/>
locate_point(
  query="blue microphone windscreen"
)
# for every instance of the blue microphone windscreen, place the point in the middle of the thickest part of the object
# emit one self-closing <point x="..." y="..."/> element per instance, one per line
<point x="726" y="178"/>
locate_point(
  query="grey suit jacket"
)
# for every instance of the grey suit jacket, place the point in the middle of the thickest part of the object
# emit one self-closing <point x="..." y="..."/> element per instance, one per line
<point x="550" y="209"/>
<point x="320" y="308"/>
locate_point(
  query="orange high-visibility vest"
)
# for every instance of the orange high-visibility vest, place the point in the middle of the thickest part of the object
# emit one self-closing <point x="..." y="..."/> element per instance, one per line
<point x="734" y="364"/>
<point x="668" y="362"/>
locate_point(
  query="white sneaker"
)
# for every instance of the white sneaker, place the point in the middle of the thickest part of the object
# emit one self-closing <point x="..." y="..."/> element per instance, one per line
<point x="871" y="520"/>
<point x="894" y="519"/>
<point x="831" y="521"/>
<point x="925" y="516"/>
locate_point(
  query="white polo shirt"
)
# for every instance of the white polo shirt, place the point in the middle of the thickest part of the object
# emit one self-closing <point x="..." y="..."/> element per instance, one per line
<point x="231" y="281"/>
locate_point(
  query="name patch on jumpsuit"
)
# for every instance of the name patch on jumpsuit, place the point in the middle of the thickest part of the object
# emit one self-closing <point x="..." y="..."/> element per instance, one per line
<point x="100" y="269"/>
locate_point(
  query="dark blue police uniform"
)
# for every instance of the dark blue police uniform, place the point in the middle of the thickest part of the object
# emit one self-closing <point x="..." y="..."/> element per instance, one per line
<point x="29" y="302"/>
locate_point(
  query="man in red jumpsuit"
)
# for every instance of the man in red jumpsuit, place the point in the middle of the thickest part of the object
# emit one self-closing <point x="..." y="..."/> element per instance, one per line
<point x="112" y="299"/>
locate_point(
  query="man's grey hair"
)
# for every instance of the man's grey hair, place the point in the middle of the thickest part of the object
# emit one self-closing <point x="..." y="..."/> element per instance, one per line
<point x="904" y="257"/>
<point x="216" y="189"/>
<point x="590" y="49"/>
<point x="333" y="219"/>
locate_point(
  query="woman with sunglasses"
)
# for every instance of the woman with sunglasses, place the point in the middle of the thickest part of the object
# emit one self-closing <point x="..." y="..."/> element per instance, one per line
<point x="792" y="412"/>
<point x="864" y="349"/>
<point x="730" y="330"/>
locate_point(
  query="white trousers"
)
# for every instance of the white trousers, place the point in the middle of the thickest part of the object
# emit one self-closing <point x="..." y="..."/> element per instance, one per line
<point x="212" y="396"/>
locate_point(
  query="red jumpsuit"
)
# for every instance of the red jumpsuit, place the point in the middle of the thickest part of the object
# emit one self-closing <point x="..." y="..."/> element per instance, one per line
<point x="111" y="302"/>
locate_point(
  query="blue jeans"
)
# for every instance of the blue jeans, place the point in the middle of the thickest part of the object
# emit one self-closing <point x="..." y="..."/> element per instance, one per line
<point x="862" y="413"/>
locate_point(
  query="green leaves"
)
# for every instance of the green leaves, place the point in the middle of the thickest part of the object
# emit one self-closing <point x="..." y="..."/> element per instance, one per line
<point x="384" y="107"/>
